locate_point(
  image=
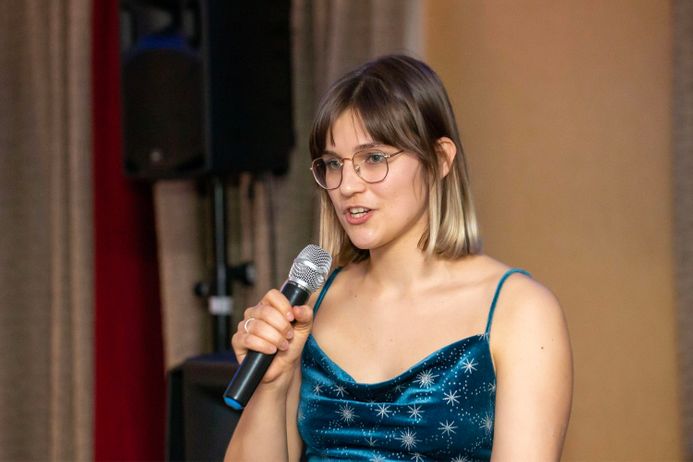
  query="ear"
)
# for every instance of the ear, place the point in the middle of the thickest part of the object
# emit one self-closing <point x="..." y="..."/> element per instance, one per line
<point x="447" y="151"/>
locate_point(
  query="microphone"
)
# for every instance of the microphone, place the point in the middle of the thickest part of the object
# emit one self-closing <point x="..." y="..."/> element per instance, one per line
<point x="307" y="273"/>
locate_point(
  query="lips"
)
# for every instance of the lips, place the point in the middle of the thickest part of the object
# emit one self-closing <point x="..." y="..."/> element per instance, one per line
<point x="357" y="214"/>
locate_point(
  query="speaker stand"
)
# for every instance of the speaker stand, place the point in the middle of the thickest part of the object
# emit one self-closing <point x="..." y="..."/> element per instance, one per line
<point x="219" y="291"/>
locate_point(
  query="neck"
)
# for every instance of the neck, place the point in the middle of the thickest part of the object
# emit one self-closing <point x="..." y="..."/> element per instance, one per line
<point x="401" y="268"/>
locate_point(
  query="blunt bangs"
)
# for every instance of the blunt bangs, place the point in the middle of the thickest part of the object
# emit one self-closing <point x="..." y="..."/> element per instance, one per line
<point x="387" y="111"/>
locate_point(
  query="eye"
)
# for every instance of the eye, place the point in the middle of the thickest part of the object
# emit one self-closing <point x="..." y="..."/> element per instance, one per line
<point x="375" y="157"/>
<point x="332" y="163"/>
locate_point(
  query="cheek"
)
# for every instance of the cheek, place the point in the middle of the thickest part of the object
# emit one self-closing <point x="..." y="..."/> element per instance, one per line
<point x="421" y="187"/>
<point x="413" y="188"/>
<point x="420" y="191"/>
<point x="331" y="204"/>
<point x="331" y="200"/>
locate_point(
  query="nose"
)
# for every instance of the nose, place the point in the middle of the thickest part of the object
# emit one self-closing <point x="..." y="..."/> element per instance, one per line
<point x="351" y="182"/>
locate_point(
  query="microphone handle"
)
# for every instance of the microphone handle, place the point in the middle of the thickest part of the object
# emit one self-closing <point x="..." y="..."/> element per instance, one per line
<point x="255" y="364"/>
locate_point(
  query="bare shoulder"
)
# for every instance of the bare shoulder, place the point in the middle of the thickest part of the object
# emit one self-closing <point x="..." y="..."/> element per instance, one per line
<point x="524" y="299"/>
<point x="528" y="318"/>
<point x="520" y="296"/>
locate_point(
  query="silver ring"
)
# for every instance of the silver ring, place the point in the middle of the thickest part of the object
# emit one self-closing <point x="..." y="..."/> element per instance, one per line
<point x="245" y="324"/>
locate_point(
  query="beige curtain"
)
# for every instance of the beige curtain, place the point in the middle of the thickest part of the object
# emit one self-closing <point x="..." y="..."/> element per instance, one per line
<point x="683" y="204"/>
<point x="272" y="218"/>
<point x="45" y="231"/>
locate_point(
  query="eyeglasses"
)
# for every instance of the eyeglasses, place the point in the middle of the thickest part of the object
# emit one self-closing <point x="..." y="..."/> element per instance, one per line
<point x="371" y="165"/>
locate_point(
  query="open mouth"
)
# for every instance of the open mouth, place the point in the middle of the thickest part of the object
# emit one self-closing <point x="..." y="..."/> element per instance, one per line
<point x="358" y="212"/>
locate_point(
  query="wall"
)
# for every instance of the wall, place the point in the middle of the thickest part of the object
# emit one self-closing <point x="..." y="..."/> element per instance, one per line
<point x="564" y="109"/>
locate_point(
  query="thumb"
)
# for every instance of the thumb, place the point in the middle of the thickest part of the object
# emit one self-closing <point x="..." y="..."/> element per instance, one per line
<point x="303" y="315"/>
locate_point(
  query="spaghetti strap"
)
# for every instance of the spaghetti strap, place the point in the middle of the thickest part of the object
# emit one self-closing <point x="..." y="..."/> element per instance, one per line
<point x="327" y="285"/>
<point x="495" y="296"/>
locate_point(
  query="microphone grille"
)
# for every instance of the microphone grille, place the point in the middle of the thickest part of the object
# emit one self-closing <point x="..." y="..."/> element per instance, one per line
<point x="310" y="267"/>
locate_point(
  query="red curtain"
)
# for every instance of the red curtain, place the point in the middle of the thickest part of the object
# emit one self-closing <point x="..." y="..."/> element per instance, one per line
<point x="129" y="420"/>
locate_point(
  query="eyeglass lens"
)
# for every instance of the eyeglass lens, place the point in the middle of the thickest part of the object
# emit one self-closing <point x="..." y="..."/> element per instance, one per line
<point x="370" y="166"/>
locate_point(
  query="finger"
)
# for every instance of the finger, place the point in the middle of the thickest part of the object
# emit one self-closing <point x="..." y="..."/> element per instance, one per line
<point x="239" y="349"/>
<point x="303" y="313"/>
<point x="272" y="316"/>
<point x="280" y="302"/>
<point x="255" y="343"/>
<point x="263" y="330"/>
<point x="235" y="342"/>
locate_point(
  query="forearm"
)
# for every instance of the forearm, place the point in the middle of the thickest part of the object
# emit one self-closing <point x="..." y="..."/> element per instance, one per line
<point x="266" y="430"/>
<point x="261" y="433"/>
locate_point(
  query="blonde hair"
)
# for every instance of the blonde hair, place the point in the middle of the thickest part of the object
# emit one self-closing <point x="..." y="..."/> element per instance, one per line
<point x="401" y="102"/>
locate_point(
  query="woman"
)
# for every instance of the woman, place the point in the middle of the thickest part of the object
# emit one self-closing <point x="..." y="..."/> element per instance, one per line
<point x="423" y="348"/>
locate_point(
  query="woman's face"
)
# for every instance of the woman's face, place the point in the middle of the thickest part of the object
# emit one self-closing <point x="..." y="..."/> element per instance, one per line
<point x="377" y="215"/>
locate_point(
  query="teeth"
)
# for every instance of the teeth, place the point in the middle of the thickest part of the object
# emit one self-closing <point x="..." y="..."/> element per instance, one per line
<point x="358" y="211"/>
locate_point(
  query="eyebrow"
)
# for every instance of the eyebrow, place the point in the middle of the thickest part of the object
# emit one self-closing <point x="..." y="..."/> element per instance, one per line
<point x="360" y="147"/>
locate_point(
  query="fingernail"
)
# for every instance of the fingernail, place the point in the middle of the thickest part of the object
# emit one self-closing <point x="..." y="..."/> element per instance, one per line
<point x="290" y="315"/>
<point x="290" y="334"/>
<point x="284" y="345"/>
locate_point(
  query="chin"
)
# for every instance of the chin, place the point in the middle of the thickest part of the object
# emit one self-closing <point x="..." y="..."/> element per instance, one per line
<point x="362" y="244"/>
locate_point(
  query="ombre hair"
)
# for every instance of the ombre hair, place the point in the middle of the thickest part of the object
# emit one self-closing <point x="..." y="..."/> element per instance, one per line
<point x="401" y="102"/>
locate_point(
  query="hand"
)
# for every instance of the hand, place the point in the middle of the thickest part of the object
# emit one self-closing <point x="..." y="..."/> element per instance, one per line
<point x="266" y="328"/>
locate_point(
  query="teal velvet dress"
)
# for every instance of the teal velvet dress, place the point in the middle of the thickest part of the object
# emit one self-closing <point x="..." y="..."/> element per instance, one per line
<point x="440" y="409"/>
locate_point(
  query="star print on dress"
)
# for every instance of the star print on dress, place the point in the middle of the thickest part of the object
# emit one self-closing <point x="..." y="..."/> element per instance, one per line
<point x="383" y="410"/>
<point x="460" y="459"/>
<point x="416" y="457"/>
<point x="487" y="423"/>
<point x="339" y="391"/>
<point x="425" y="378"/>
<point x="451" y="398"/>
<point x="447" y="428"/>
<point x="468" y="365"/>
<point x="415" y="411"/>
<point x="346" y="413"/>
<point x="408" y="439"/>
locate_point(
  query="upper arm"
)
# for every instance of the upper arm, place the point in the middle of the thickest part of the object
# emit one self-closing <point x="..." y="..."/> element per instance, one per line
<point x="293" y="438"/>
<point x="531" y="350"/>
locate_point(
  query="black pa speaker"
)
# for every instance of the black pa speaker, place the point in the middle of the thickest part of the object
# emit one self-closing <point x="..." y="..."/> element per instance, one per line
<point x="199" y="424"/>
<point x="206" y="87"/>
